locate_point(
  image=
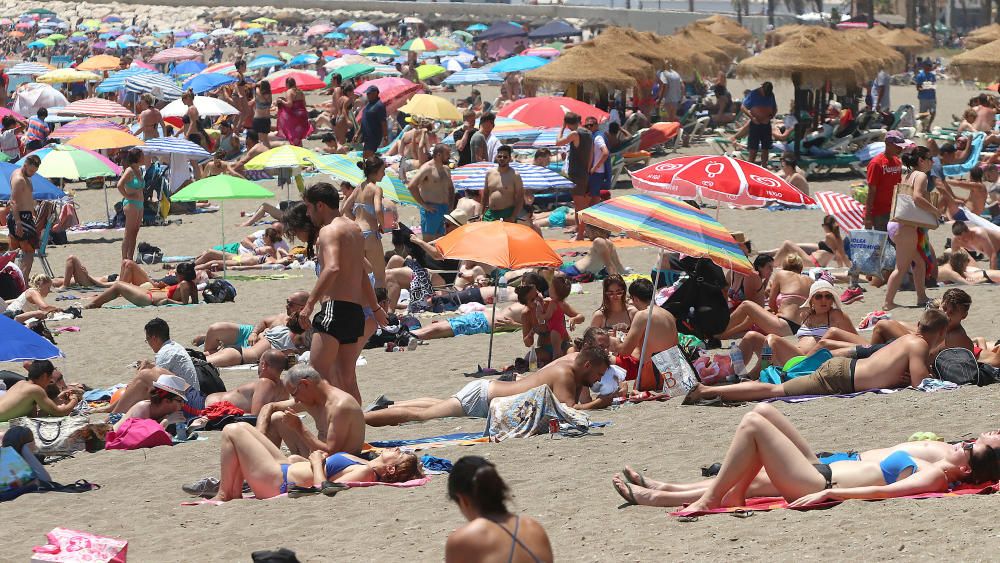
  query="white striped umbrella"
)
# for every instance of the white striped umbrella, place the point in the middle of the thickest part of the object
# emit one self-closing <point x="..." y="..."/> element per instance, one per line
<point x="96" y="107"/>
<point x="29" y="69"/>
<point x="159" y="85"/>
<point x="206" y="106"/>
<point x="174" y="54"/>
<point x="473" y="76"/>
<point x="848" y="212"/>
<point x="116" y="80"/>
<point x="174" y="146"/>
<point x="535" y="178"/>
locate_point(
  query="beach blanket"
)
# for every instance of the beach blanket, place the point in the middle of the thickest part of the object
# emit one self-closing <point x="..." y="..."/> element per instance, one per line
<point x="764" y="504"/>
<point x="971" y="162"/>
<point x="131" y="306"/>
<point x="177" y="259"/>
<point x="806" y="398"/>
<point x="573" y="244"/>
<point x="529" y="414"/>
<point x="432" y="442"/>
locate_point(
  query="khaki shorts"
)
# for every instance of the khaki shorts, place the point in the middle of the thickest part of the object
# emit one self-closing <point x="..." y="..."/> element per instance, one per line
<point x="834" y="377"/>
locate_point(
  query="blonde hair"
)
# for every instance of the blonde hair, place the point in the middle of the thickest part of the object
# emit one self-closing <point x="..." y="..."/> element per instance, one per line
<point x="793" y="263"/>
<point x="37" y="280"/>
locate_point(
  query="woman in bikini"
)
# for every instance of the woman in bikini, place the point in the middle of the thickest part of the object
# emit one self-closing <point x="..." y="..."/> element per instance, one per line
<point x="955" y="269"/>
<point x="492" y="533"/>
<point x="288" y="338"/>
<point x="183" y="292"/>
<point x="265" y="253"/>
<point x="615" y="314"/>
<point x="249" y="456"/>
<point x="907" y="239"/>
<point x="261" y="123"/>
<point x="132" y="185"/>
<point x="789" y="288"/>
<point x="365" y="203"/>
<point x="830" y="249"/>
<point x="769" y="457"/>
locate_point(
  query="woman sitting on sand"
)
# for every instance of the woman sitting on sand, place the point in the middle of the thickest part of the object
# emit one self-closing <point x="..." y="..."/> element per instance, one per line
<point x="767" y="446"/>
<point x="492" y="533"/>
<point x="789" y="289"/>
<point x="820" y="254"/>
<point x="954" y="268"/>
<point x="615" y="312"/>
<point x="249" y="456"/>
<point x="31" y="303"/>
<point x="145" y="293"/>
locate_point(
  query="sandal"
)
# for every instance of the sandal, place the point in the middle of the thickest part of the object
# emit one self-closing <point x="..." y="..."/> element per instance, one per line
<point x="331" y="489"/>
<point x="298" y="492"/>
<point x="628" y="495"/>
<point x="742" y="513"/>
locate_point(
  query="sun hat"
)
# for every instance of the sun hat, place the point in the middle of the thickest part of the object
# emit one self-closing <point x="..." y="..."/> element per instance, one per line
<point x="171" y="384"/>
<point x="457" y="217"/>
<point x="822" y="286"/>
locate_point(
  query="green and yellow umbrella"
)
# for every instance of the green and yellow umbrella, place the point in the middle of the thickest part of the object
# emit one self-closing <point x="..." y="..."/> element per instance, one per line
<point x="419" y="45"/>
<point x="429" y="71"/>
<point x="344" y="167"/>
<point x="380" y="51"/>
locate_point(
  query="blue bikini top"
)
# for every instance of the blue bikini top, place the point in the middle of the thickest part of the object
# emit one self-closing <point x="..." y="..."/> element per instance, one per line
<point x="896" y="463"/>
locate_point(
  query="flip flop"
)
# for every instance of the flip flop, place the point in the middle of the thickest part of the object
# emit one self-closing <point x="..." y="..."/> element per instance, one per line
<point x="742" y="513"/>
<point x="630" y="499"/>
<point x="299" y="492"/>
<point x="331" y="489"/>
<point x="642" y="479"/>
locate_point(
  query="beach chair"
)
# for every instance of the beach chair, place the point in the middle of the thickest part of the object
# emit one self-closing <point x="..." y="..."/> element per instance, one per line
<point x="46" y="216"/>
<point x="619" y="158"/>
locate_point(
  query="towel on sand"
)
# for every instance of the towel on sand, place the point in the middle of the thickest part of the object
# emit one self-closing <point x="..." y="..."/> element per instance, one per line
<point x="529" y="413"/>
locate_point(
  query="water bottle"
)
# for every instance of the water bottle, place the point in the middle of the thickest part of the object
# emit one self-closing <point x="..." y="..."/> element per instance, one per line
<point x="181" y="431"/>
<point x="736" y="355"/>
<point x="532" y="359"/>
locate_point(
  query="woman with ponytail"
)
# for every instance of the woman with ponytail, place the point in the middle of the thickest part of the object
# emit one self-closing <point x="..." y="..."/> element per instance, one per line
<point x="492" y="532"/>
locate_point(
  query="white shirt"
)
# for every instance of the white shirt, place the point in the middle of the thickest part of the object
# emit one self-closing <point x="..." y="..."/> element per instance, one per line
<point x="595" y="154"/>
<point x="258" y="241"/>
<point x="174" y="358"/>
<point x="882" y="79"/>
<point x="492" y="144"/>
<point x="9" y="145"/>
<point x="674" y="86"/>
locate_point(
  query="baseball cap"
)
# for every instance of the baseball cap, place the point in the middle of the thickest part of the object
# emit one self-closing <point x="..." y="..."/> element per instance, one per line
<point x="371" y="89"/>
<point x="894" y="137"/>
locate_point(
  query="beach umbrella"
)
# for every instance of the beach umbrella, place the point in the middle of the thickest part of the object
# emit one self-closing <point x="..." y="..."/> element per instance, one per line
<point x="16" y="34"/>
<point x="429" y="71"/>
<point x="304" y="79"/>
<point x="363" y="27"/>
<point x="207" y="106"/>
<point x="318" y="29"/>
<point x="101" y="139"/>
<point x="519" y="63"/>
<point x="96" y="107"/>
<point x="264" y="61"/>
<point x="39" y="12"/>
<point x="160" y="86"/>
<point x="334" y="35"/>
<point x="849" y="213"/>
<point x="419" y="45"/>
<point x="500" y="244"/>
<point x="41" y="187"/>
<point x="453" y="65"/>
<point x="174" y="146"/>
<point x="907" y="40"/>
<point x="477" y="27"/>
<point x="196" y="37"/>
<point x="174" y="54"/>
<point x="116" y="80"/>
<point x="727" y="28"/>
<point x="350" y="71"/>
<point x="721" y="178"/>
<point x="303" y="59"/>
<point x="264" y="21"/>
<point x="31" y="97"/>
<point x="472" y="177"/>
<point x="66" y="75"/>
<point x="111" y="19"/>
<point x="220" y="68"/>
<point x="553" y="29"/>
<point x="57" y="37"/>
<point x="380" y="51"/>
<point x="412" y="19"/>
<point x="547" y="52"/>
<point x="283" y="156"/>
<point x="463" y="35"/>
<point x="431" y="107"/>
<point x="100" y="63"/>
<point x="347" y="24"/>
<point x="501" y="30"/>
<point x="72" y="163"/>
<point x="187" y="67"/>
<point x="80" y="126"/>
<point x="548" y="111"/>
<point x="200" y="83"/>
<point x="222" y="32"/>
<point x="344" y="167"/>
<point x="20" y="343"/>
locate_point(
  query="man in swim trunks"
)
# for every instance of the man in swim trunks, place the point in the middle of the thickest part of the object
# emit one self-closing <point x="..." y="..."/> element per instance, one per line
<point x="477" y="322"/>
<point x="566" y="378"/>
<point x="902" y="362"/>
<point x="267" y="388"/>
<point x="29" y="398"/>
<point x="434" y="191"/>
<point x="578" y="162"/>
<point x="21" y="214"/>
<point x="342" y="290"/>
<point x="340" y="424"/>
<point x="662" y="333"/>
<point x="976" y="239"/>
<point x="503" y="193"/>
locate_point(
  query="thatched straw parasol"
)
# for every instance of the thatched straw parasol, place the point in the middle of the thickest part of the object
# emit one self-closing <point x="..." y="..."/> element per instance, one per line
<point x="982" y="35"/>
<point x="981" y="63"/>
<point x="878" y="30"/>
<point x="866" y="46"/>
<point x="907" y="41"/>
<point x="702" y="39"/>
<point x="783" y="33"/>
<point x="586" y="66"/>
<point x="688" y="60"/>
<point x="727" y="28"/>
<point x="807" y="63"/>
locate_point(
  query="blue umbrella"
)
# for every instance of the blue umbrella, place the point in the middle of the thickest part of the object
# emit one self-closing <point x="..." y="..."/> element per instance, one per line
<point x="200" y="83"/>
<point x="116" y="81"/>
<point x="334" y="35"/>
<point x="188" y="67"/>
<point x="41" y="188"/>
<point x="553" y="29"/>
<point x="20" y="343"/>
<point x="520" y="63"/>
<point x="254" y="31"/>
<point x="264" y="61"/>
<point x="477" y="27"/>
<point x="303" y="59"/>
<point x="198" y="35"/>
<point x="474" y="76"/>
<point x="501" y="30"/>
<point x="346" y="25"/>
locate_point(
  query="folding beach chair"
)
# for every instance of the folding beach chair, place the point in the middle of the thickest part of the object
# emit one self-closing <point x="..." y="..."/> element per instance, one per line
<point x="47" y="216"/>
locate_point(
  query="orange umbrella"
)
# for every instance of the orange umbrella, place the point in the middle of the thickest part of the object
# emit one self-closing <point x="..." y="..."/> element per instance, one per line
<point x="16" y="34"/>
<point x="99" y="63"/>
<point x="97" y="139"/>
<point x="500" y="244"/>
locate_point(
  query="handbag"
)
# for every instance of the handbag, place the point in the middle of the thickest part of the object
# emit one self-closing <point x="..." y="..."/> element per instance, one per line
<point x="63" y="435"/>
<point x="905" y="211"/>
<point x="674" y="372"/>
<point x="867" y="251"/>
<point x="76" y="546"/>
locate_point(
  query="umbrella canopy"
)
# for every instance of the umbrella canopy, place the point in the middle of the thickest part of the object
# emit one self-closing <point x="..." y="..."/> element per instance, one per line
<point x="907" y="40"/>
<point x="671" y="224"/>
<point x="363" y="27"/>
<point x="72" y="163"/>
<point x="335" y="35"/>
<point x="170" y="146"/>
<point x="303" y="59"/>
<point x="116" y="80"/>
<point x="982" y="35"/>
<point x="519" y="63"/>
<point x="977" y="64"/>
<point x="304" y="80"/>
<point x="350" y="71"/>
<point x="535" y="178"/>
<point x="160" y="86"/>
<point x="720" y="178"/>
<point x="66" y="75"/>
<point x="84" y="125"/>
<point x="174" y="54"/>
<point x="187" y="67"/>
<point x="201" y="83"/>
<point x="219" y="187"/>
<point x="380" y="51"/>
<point x="548" y="111"/>
<point x="419" y="44"/>
<point x="318" y="29"/>
<point x="33" y="96"/>
<point x="21" y="344"/>
<point x="98" y="139"/>
<point x="344" y="167"/>
<point x="477" y="27"/>
<point x="501" y="30"/>
<point x="593" y="68"/>
<point x="96" y="107"/>
<point x="554" y="29"/>
<point x="41" y="187"/>
<point x="264" y="61"/>
<point x="474" y="76"/>
<point x="221" y="68"/>
<point x="431" y="107"/>
<point x="29" y="69"/>
<point x="500" y="244"/>
<point x="849" y="213"/>
<point x="806" y="61"/>
<point x="100" y="63"/>
<point x="425" y="72"/>
<point x="284" y="156"/>
<point x="206" y="106"/>
<point x="727" y="28"/>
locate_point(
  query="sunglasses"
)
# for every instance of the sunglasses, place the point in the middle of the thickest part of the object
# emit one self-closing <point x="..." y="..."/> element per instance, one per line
<point x="823" y="296"/>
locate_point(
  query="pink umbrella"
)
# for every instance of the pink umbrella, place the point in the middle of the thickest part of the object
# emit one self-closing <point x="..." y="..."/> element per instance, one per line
<point x="720" y="178"/>
<point x="548" y="111"/>
<point x="174" y="54"/>
<point x="74" y="128"/>
<point x="383" y="84"/>
<point x="303" y="79"/>
<point x="4" y="112"/>
<point x="547" y="52"/>
<point x="142" y="64"/>
<point x="318" y="29"/>
<point x="392" y="90"/>
<point x="96" y="107"/>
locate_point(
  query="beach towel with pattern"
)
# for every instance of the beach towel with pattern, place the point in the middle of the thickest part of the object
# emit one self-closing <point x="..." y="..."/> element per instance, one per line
<point x="529" y="413"/>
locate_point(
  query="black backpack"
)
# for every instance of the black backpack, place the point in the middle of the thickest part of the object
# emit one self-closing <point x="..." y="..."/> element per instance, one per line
<point x="209" y="379"/>
<point x="959" y="365"/>
<point x="219" y="291"/>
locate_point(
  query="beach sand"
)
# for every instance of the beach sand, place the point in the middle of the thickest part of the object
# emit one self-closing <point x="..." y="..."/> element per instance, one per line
<point x="563" y="482"/>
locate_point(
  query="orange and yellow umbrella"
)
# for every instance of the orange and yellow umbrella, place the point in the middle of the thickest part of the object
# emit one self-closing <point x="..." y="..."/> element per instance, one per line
<point x="97" y="139"/>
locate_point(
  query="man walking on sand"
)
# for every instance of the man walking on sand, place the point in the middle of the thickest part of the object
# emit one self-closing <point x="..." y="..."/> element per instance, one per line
<point x="343" y="290"/>
<point x="434" y="191"/>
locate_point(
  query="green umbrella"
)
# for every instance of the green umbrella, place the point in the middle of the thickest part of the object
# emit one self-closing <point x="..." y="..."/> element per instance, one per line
<point x="429" y="71"/>
<point x="41" y="12"/>
<point x="350" y="71"/>
<point x="57" y="37"/>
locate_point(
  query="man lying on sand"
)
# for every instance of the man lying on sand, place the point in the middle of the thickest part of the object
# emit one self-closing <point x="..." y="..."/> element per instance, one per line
<point x="223" y="334"/>
<point x="476" y="322"/>
<point x="902" y="362"/>
<point x="29" y="398"/>
<point x="566" y="379"/>
<point x="164" y="404"/>
<point x="267" y="388"/>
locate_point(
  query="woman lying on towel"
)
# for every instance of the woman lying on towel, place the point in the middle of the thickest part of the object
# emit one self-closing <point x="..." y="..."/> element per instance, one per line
<point x="830" y="249"/>
<point x="184" y="291"/>
<point x="289" y="338"/>
<point x="767" y="446"/>
<point x="248" y="455"/>
<point x="954" y="268"/>
<point x="268" y="251"/>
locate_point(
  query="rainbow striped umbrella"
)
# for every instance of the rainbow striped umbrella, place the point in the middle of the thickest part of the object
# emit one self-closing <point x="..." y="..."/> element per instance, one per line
<point x="418" y="44"/>
<point x="345" y="167"/>
<point x="72" y="163"/>
<point x="80" y="126"/>
<point x="671" y="224"/>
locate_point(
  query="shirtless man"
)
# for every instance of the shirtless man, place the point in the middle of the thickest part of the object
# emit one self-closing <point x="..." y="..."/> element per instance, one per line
<point x="976" y="239"/>
<point x="601" y="256"/>
<point x="217" y="165"/>
<point x="413" y="147"/>
<point x="477" y="322"/>
<point x="21" y="213"/>
<point x="342" y="108"/>
<point x="986" y="115"/>
<point x="902" y="362"/>
<point x="342" y="291"/>
<point x="434" y="191"/>
<point x="164" y="404"/>
<point x="222" y="334"/>
<point x="503" y="194"/>
<point x="340" y="424"/>
<point x="662" y="333"/>
<point x="149" y="117"/>
<point x="251" y="397"/>
<point x="254" y="148"/>
<point x="566" y="379"/>
<point x="28" y="398"/>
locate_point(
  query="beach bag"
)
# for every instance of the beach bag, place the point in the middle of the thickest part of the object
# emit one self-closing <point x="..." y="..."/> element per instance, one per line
<point x="64" y="435"/>
<point x="673" y="372"/>
<point x="219" y="291"/>
<point x="868" y="249"/>
<point x="209" y="380"/>
<point x="16" y="476"/>
<point x="712" y="369"/>
<point x="72" y="546"/>
<point x="136" y="433"/>
<point x="959" y="366"/>
<point x="905" y="210"/>
<point x="148" y="254"/>
<point x="280" y="555"/>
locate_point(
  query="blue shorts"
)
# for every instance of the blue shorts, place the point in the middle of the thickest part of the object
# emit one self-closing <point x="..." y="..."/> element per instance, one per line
<point x="432" y="223"/>
<point x="598" y="181"/>
<point x="194" y="399"/>
<point x="570" y="270"/>
<point x="759" y="137"/>
<point x="472" y="323"/>
<point x="243" y="335"/>
<point x="558" y="217"/>
<point x="839" y="456"/>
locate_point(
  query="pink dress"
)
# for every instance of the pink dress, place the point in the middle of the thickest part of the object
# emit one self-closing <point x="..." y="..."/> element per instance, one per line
<point x="293" y="122"/>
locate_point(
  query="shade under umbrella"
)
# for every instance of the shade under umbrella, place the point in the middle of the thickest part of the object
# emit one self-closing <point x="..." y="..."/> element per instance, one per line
<point x="535" y="178"/>
<point x="20" y="344"/>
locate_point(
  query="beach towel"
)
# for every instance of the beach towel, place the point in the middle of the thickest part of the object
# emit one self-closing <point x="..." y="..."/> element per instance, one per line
<point x="774" y="375"/>
<point x="529" y="414"/>
<point x="764" y="504"/>
<point x="73" y="545"/>
<point x="807" y="398"/>
<point x="926" y="253"/>
<point x="971" y="162"/>
<point x="445" y="438"/>
<point x="293" y="122"/>
<point x="404" y="485"/>
<point x="137" y="433"/>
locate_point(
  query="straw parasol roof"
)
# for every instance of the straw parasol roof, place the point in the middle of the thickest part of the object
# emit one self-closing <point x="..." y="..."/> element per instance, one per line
<point x="878" y="30"/>
<point x="689" y="60"/>
<point x="907" y="41"/>
<point x="781" y="34"/>
<point x="806" y="61"/>
<point x="982" y="35"/>
<point x="981" y="63"/>
<point x="701" y="37"/>
<point x="727" y="28"/>
<point x="866" y="46"/>
<point x="585" y="65"/>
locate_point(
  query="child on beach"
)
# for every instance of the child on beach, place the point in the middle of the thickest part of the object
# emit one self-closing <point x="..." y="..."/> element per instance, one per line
<point x="553" y="311"/>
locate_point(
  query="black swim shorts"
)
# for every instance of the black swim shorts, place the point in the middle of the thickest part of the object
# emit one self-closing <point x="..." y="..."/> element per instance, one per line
<point x="343" y="320"/>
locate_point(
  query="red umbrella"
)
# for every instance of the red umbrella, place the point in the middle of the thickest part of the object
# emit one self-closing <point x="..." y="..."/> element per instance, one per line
<point x="392" y="90"/>
<point x="720" y="178"/>
<point x="305" y="80"/>
<point x="548" y="111"/>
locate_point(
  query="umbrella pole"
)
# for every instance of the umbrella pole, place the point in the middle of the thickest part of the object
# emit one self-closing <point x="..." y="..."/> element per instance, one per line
<point x="496" y="295"/>
<point x="222" y="214"/>
<point x="645" y="334"/>
<point x="107" y="206"/>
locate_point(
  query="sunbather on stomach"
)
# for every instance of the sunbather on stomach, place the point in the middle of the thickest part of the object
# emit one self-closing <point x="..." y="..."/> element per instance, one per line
<point x="288" y="338"/>
<point x="788" y="467"/>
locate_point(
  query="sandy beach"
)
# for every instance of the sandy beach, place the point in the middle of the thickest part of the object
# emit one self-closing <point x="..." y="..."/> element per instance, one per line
<point x="563" y="482"/>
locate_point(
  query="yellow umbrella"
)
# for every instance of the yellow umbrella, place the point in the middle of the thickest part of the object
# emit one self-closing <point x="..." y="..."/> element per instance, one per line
<point x="66" y="75"/>
<point x="99" y="63"/>
<point x="255" y="26"/>
<point x="97" y="139"/>
<point x="431" y="107"/>
<point x="284" y="156"/>
<point x="429" y="71"/>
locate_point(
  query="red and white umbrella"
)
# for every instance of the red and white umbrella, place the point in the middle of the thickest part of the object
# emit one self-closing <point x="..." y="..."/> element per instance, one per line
<point x="719" y="178"/>
<point x="96" y="107"/>
<point x="174" y="54"/>
<point x="548" y="111"/>
<point x="305" y="80"/>
<point x="848" y="212"/>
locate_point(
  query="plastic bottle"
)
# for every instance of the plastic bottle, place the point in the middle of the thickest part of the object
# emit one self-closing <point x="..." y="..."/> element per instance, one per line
<point x="532" y="359"/>
<point x="736" y="355"/>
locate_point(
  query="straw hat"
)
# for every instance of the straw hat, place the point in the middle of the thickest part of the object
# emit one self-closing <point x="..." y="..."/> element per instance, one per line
<point x="457" y="217"/>
<point x="821" y="286"/>
<point x="171" y="384"/>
